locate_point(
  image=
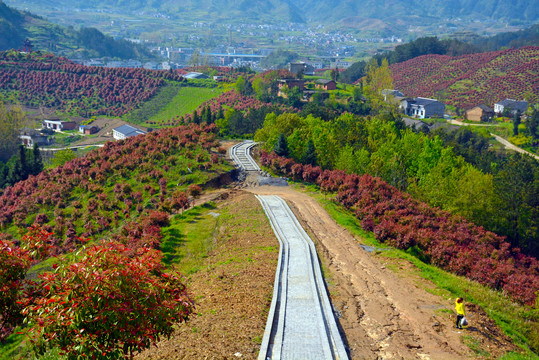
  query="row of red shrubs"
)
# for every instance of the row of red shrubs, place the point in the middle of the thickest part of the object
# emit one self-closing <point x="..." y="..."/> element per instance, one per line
<point x="449" y="241"/>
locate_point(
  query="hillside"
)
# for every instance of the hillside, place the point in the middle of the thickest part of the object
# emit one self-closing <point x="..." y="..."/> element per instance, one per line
<point x="44" y="80"/>
<point x="16" y="26"/>
<point x="326" y="12"/>
<point x="470" y="80"/>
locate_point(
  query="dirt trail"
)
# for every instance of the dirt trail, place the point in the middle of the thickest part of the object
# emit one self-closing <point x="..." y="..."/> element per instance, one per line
<point x="385" y="315"/>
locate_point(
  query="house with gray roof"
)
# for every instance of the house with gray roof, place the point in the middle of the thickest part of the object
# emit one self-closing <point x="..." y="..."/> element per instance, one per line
<point x="422" y="107"/>
<point x="126" y="131"/>
<point x="196" y="75"/>
<point x="512" y="105"/>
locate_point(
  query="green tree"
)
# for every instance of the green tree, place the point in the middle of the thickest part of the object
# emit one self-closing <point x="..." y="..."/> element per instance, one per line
<point x="37" y="161"/>
<point x="62" y="156"/>
<point x="281" y="148"/>
<point x="532" y="123"/>
<point x="378" y="79"/>
<point x="309" y="157"/>
<point x="12" y="120"/>
<point x="239" y="85"/>
<point x="516" y="122"/>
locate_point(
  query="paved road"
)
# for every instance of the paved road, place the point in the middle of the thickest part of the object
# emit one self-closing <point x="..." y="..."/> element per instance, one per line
<point x="300" y="324"/>
<point x="240" y="153"/>
<point x="72" y="147"/>
<point x="501" y="140"/>
<point x="508" y="145"/>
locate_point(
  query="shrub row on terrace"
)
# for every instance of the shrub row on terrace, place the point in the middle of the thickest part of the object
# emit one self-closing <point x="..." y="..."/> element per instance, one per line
<point x="110" y="187"/>
<point x="449" y="241"/>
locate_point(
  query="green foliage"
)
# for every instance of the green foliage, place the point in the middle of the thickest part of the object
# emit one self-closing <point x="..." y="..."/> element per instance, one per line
<point x="309" y="157"/>
<point x="489" y="191"/>
<point x="21" y="166"/>
<point x="61" y="157"/>
<point x="281" y="148"/>
<point x="278" y="59"/>
<point x="151" y="108"/>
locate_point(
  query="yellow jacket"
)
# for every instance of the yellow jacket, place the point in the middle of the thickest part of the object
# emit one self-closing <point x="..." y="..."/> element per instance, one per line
<point x="460" y="308"/>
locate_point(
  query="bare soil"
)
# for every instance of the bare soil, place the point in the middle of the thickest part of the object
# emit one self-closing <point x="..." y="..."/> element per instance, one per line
<point x="387" y="314"/>
<point x="386" y="310"/>
<point x="233" y="290"/>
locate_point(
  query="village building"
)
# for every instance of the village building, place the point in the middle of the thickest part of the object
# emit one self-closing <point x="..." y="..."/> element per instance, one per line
<point x="512" y="105"/>
<point x="29" y="137"/>
<point x="422" y="107"/>
<point x="59" y="125"/>
<point x="88" y="130"/>
<point x="387" y="93"/>
<point x="289" y="84"/>
<point x="325" y="84"/>
<point x="126" y="131"/>
<point x="301" y="68"/>
<point x="480" y="113"/>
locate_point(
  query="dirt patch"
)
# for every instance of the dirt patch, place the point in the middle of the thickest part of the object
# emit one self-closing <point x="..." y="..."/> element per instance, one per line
<point x="386" y="314"/>
<point x="233" y="290"/>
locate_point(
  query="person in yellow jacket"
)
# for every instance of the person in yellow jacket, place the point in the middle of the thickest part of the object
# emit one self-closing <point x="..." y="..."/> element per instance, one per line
<point x="459" y="306"/>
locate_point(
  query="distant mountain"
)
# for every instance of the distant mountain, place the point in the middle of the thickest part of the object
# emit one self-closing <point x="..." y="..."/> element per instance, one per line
<point x="16" y="26"/>
<point x="321" y="11"/>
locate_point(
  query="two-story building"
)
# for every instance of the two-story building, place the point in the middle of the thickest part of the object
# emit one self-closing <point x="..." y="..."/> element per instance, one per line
<point x="512" y="105"/>
<point x="422" y="107"/>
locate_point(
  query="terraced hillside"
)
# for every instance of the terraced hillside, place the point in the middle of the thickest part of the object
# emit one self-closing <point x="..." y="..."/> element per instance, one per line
<point x="470" y="80"/>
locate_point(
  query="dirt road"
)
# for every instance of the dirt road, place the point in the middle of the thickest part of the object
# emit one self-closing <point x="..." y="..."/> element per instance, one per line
<point x="385" y="314"/>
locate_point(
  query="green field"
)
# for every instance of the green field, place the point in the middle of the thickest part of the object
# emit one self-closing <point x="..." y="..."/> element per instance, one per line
<point x="186" y="101"/>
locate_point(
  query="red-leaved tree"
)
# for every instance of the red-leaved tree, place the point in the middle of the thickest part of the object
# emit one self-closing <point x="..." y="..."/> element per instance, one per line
<point x="108" y="305"/>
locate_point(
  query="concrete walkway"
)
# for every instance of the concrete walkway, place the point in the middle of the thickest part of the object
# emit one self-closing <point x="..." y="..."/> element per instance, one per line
<point x="300" y="324"/>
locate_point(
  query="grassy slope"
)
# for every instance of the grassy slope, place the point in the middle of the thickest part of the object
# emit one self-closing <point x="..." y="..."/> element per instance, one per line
<point x="186" y="101"/>
<point x="519" y="322"/>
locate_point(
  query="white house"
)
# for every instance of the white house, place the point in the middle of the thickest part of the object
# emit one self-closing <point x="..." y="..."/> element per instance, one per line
<point x="511" y="104"/>
<point x="126" y="131"/>
<point x="59" y="125"/>
<point x="422" y="107"/>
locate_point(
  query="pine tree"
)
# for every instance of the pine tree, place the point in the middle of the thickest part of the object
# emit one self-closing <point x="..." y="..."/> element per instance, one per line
<point x="281" y="148"/>
<point x="25" y="165"/>
<point x="196" y="118"/>
<point x="37" y="161"/>
<point x="309" y="157"/>
<point x="208" y="116"/>
<point x="220" y="114"/>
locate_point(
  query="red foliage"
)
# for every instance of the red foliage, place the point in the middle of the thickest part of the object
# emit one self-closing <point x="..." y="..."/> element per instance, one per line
<point x="450" y="241"/>
<point x="117" y="304"/>
<point x="58" y="82"/>
<point x="494" y="76"/>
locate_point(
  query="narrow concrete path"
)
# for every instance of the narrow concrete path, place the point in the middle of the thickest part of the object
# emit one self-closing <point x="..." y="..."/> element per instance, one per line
<point x="301" y="324"/>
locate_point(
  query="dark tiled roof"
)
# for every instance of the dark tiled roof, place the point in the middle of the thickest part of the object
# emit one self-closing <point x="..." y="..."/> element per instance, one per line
<point x="515" y="105"/>
<point x="423" y="101"/>
<point x="323" y="81"/>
